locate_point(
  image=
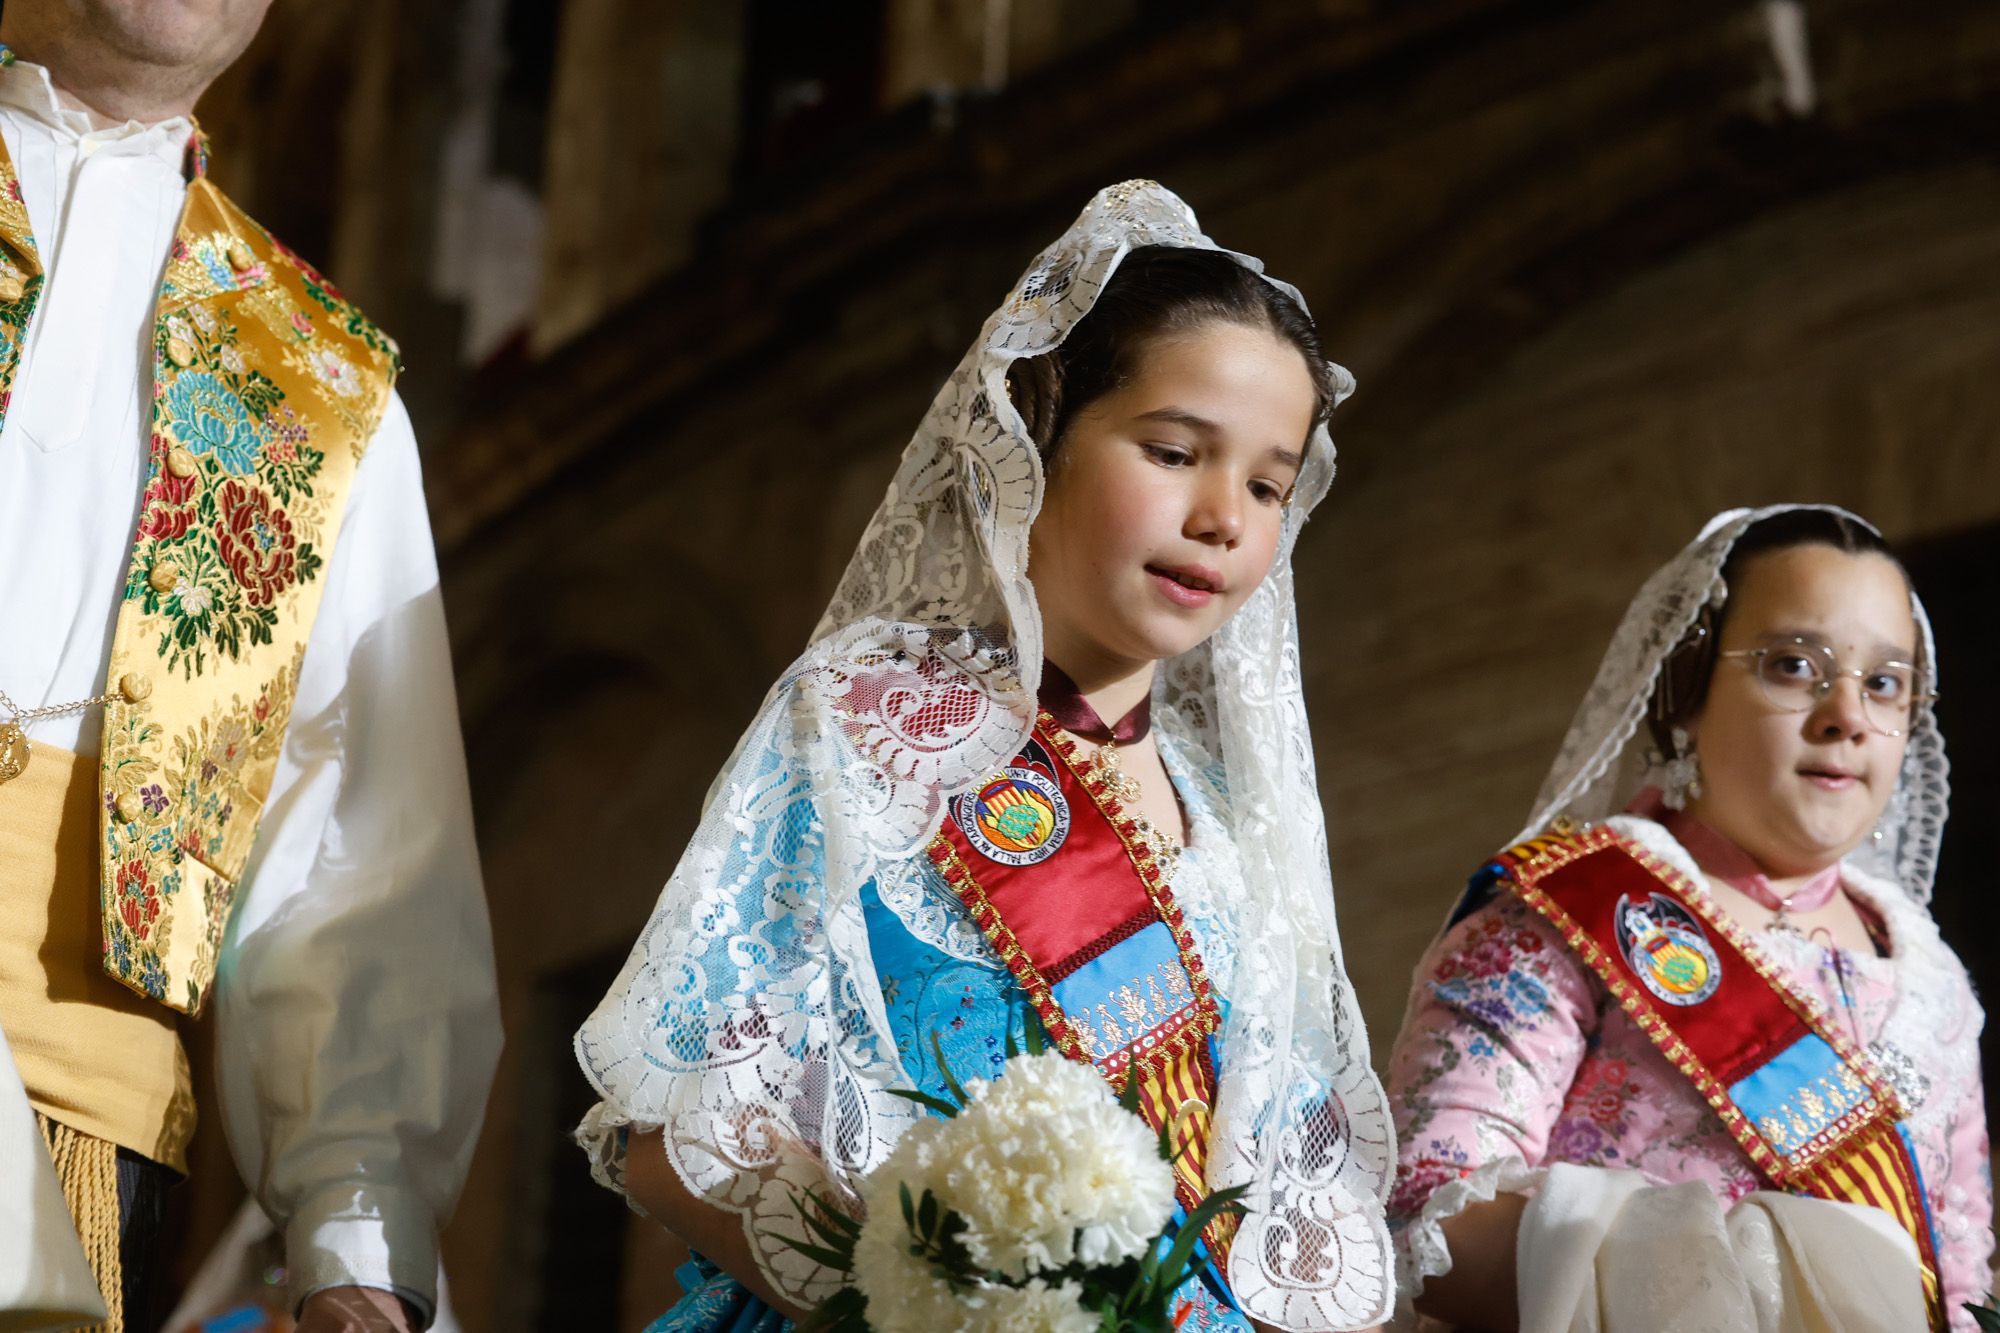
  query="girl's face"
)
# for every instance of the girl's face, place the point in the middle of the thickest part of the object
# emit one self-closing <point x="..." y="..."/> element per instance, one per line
<point x="1799" y="790"/>
<point x="1164" y="505"/>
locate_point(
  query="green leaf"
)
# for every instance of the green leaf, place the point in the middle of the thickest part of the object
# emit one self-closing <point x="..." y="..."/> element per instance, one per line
<point x="927" y="1215"/>
<point x="1128" y="1096"/>
<point x="819" y="1215"/>
<point x="1145" y="1286"/>
<point x="1178" y="1265"/>
<point x="1985" y="1316"/>
<point x="837" y="1219"/>
<point x="843" y="1312"/>
<point x="1013" y="1047"/>
<point x="1032" y="1034"/>
<point x="938" y="1104"/>
<point x="944" y="1070"/>
<point x="825" y="1258"/>
<point x="839" y="1238"/>
<point x="909" y="1207"/>
<point x="952" y="1255"/>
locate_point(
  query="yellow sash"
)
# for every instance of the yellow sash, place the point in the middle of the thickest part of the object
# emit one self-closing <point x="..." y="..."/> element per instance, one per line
<point x="93" y="1055"/>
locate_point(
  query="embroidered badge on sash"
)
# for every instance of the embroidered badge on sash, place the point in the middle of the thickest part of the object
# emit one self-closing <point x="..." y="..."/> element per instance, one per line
<point x="1667" y="950"/>
<point x="1018" y="819"/>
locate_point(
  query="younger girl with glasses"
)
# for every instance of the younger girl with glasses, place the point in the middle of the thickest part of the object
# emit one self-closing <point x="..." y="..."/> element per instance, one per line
<point x="1706" y="1062"/>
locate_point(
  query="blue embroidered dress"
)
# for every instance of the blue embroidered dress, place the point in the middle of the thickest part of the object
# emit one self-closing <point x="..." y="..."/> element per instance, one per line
<point x="938" y="976"/>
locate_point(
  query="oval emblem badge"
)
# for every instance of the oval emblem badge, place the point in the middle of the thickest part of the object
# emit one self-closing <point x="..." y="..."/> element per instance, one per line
<point x="1667" y="949"/>
<point x="1019" y="818"/>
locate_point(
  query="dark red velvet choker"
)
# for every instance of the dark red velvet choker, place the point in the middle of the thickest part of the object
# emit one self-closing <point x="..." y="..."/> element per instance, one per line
<point x="1063" y="701"/>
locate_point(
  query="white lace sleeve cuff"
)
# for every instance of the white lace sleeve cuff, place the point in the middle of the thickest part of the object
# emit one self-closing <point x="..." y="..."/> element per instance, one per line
<point x="602" y="1135"/>
<point x="1421" y="1252"/>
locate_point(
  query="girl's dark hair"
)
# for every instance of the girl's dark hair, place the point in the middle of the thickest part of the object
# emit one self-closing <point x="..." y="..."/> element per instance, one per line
<point x="1156" y="292"/>
<point x="1684" y="679"/>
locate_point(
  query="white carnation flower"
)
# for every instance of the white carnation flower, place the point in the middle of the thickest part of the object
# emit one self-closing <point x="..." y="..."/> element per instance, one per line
<point x="1046" y="1168"/>
<point x="905" y="1293"/>
<point x="1035" y="1308"/>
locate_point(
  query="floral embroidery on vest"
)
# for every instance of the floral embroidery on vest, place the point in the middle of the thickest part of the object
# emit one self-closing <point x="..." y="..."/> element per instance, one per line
<point x="267" y="386"/>
<point x="174" y="824"/>
<point x="20" y="277"/>
<point x="221" y="541"/>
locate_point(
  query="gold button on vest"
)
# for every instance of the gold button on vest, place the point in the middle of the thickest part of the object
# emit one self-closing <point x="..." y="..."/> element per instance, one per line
<point x="94" y="1055"/>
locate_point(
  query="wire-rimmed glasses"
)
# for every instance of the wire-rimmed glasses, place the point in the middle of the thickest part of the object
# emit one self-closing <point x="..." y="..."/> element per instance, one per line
<point x="1796" y="673"/>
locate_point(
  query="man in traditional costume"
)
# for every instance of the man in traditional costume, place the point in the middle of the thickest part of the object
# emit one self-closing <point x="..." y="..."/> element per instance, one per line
<point x="230" y="770"/>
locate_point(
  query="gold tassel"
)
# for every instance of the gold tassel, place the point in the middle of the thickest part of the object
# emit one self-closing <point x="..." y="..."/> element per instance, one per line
<point x="88" y="1170"/>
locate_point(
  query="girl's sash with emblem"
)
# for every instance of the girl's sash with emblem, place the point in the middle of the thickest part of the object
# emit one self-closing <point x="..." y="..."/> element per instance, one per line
<point x="1806" y="1106"/>
<point x="1095" y="939"/>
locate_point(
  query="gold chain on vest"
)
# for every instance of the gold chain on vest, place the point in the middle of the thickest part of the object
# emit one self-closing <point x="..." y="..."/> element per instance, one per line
<point x="14" y="748"/>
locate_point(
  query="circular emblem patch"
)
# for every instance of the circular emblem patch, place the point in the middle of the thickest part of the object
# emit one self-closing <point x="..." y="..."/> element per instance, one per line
<point x="1018" y="818"/>
<point x="1667" y="949"/>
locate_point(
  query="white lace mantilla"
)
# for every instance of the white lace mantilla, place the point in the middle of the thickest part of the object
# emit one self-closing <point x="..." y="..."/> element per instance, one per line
<point x="748" y="1021"/>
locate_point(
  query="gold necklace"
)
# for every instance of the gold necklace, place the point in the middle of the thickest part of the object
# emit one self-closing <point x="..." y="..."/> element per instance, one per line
<point x="1105" y="766"/>
<point x="15" y="751"/>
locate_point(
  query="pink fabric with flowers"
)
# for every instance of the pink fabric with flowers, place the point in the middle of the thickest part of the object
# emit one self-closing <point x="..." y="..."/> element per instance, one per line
<point x="1513" y="1056"/>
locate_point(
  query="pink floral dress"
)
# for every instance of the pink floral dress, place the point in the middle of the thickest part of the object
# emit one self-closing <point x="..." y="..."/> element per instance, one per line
<point x="1513" y="1056"/>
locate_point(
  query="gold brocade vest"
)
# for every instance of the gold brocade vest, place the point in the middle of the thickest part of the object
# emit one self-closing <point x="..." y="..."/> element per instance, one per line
<point x="267" y="387"/>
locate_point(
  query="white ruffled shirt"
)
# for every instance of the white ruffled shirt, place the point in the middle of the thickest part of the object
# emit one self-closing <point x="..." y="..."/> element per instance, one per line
<point x="357" y="1021"/>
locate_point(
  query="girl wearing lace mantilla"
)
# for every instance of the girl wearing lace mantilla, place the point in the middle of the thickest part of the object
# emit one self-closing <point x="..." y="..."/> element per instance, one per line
<point x="1706" y="1063"/>
<point x="932" y="831"/>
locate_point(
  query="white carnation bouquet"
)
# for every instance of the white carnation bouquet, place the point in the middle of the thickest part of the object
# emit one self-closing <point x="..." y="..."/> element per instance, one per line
<point x="1035" y="1203"/>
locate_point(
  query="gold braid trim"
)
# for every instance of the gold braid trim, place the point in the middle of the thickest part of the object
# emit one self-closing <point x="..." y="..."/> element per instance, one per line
<point x="88" y="1169"/>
